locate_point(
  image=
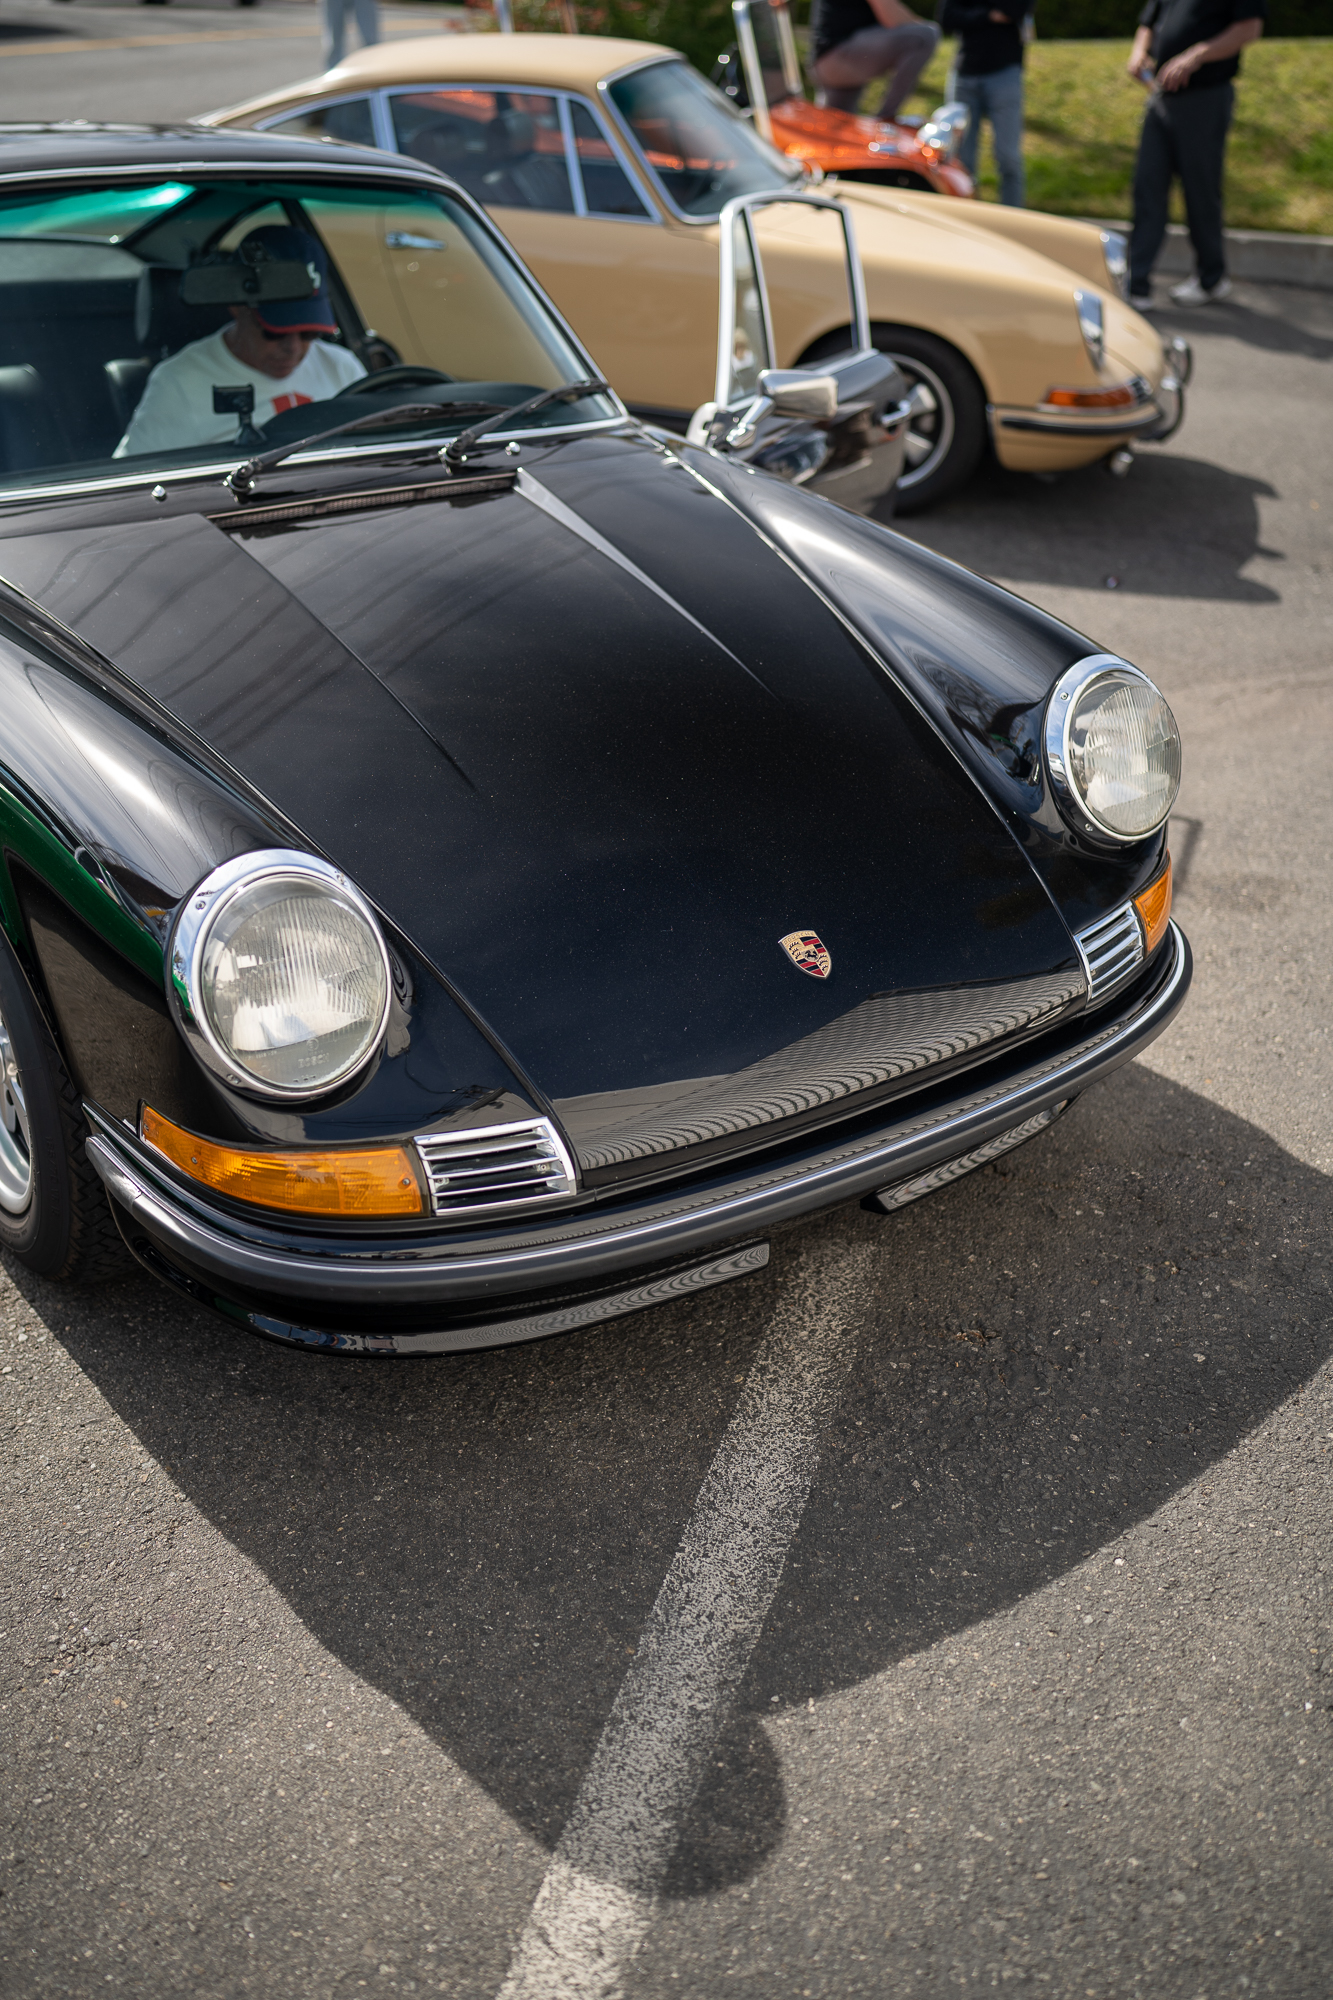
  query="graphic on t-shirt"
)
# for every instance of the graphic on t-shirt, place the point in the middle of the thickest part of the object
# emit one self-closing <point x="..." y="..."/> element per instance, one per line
<point x="176" y="408"/>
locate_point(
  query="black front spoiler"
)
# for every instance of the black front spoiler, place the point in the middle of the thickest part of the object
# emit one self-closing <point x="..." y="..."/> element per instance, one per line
<point x="456" y="1292"/>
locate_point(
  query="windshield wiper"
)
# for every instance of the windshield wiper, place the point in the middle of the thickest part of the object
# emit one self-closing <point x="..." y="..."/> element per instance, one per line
<point x="456" y="453"/>
<point x="242" y="480"/>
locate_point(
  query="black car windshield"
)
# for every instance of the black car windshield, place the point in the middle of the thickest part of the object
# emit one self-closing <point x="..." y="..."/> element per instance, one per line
<point x="701" y="149"/>
<point x="148" y="326"/>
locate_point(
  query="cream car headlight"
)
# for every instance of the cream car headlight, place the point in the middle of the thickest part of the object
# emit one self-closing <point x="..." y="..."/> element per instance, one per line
<point x="278" y="975"/>
<point x="1112" y="749"/>
<point x="1092" y="325"/>
<point x="1115" y="249"/>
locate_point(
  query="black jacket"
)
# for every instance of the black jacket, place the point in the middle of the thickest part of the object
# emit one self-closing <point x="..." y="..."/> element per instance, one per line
<point x="985" y="45"/>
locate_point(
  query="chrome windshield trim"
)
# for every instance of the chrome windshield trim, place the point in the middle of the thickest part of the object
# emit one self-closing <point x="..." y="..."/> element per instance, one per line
<point x="741" y="210"/>
<point x="218" y="468"/>
<point x="319" y="164"/>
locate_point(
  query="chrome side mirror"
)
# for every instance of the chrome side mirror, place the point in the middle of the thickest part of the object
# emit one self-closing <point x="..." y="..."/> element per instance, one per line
<point x="795" y="392"/>
<point x="946" y="129"/>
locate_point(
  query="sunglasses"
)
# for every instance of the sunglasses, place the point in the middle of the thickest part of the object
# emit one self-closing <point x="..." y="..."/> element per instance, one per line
<point x="285" y="333"/>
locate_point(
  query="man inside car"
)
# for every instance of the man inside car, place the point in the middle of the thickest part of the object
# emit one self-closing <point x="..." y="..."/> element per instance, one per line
<point x="273" y="348"/>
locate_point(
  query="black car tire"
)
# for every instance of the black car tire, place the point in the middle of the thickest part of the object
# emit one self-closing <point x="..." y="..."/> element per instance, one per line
<point x="947" y="432"/>
<point x="61" y="1226"/>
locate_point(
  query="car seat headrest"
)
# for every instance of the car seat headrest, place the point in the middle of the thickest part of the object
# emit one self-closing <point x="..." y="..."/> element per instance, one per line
<point x="162" y="321"/>
<point x="511" y="135"/>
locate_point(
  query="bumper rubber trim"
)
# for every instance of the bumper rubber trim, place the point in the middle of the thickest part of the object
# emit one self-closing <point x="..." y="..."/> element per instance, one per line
<point x="468" y="1335"/>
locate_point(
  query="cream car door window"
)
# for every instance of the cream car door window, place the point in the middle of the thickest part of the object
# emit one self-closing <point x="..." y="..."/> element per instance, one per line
<point x="349" y="122"/>
<point x="506" y="147"/>
<point x="607" y="188"/>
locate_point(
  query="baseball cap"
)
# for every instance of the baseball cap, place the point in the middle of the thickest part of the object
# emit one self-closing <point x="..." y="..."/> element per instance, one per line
<point x="310" y="315"/>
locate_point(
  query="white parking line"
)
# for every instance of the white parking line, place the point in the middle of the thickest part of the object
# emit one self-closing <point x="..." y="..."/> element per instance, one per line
<point x="596" y="1902"/>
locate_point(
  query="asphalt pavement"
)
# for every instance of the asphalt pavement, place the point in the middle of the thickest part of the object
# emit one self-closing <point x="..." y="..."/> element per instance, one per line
<point x="101" y="59"/>
<point x="983" y="1549"/>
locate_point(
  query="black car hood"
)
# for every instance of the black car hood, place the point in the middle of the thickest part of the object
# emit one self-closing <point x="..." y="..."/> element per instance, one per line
<point x="597" y="749"/>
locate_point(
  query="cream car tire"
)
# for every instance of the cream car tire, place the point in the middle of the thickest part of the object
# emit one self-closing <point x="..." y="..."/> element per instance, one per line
<point x="54" y="1215"/>
<point x="947" y="431"/>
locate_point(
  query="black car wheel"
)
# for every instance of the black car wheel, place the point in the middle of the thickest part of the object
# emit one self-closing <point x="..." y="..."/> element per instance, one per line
<point x="53" y="1213"/>
<point x="947" y="431"/>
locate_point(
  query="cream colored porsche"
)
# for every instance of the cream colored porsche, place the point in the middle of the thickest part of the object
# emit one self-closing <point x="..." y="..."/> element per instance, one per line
<point x="607" y="164"/>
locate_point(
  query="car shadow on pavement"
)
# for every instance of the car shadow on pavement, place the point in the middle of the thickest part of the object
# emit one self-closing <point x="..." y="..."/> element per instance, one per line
<point x="1052" y="1347"/>
<point x="1175" y="527"/>
<point x="1279" y="332"/>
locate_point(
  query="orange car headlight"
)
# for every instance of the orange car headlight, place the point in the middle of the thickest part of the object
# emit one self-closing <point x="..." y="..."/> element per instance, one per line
<point x="373" y="1180"/>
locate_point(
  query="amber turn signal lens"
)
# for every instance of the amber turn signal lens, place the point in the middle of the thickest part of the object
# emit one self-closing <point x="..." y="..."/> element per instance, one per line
<point x="1154" y="907"/>
<point x="376" y="1181"/>
<point x="1118" y="398"/>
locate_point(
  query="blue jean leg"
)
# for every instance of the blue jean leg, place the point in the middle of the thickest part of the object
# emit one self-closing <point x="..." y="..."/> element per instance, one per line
<point x="335" y="26"/>
<point x="998" y="97"/>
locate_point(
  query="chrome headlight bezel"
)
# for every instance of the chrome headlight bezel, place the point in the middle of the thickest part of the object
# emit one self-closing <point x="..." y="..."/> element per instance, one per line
<point x="1061" y="708"/>
<point x="1115" y="253"/>
<point x="195" y="919"/>
<point x="1092" y="325"/>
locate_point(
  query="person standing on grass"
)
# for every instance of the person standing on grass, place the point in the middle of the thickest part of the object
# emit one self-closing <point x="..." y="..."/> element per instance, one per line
<point x="989" y="81"/>
<point x="1186" y="52"/>
<point x="855" y="40"/>
<point x="335" y="26"/>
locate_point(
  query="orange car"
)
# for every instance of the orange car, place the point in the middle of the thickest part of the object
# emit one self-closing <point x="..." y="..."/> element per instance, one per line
<point x="763" y="72"/>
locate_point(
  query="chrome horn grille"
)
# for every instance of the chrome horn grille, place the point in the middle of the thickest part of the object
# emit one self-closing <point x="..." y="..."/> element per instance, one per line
<point x="1110" y="949"/>
<point x="496" y="1167"/>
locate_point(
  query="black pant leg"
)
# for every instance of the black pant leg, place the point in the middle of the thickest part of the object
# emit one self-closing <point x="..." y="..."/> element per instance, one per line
<point x="1153" y="171"/>
<point x="1200" y="119"/>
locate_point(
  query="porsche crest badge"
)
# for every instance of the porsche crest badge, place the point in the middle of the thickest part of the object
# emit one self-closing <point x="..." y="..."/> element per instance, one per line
<point x="807" y="953"/>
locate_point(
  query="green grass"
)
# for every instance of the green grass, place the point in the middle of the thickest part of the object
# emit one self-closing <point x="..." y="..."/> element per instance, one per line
<point x="1083" y="118"/>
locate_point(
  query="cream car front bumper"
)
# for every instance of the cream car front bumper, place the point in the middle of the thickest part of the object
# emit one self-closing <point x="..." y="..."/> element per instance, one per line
<point x="1051" y="439"/>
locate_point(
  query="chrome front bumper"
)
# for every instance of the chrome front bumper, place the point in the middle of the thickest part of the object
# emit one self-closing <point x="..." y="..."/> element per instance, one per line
<point x="477" y="1289"/>
<point x="1158" y="417"/>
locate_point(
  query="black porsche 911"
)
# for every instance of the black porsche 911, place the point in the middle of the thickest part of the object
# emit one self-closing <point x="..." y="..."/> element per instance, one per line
<point x="471" y="865"/>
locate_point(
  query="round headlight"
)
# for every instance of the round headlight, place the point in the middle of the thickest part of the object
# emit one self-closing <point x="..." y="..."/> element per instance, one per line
<point x="1112" y="749"/>
<point x="279" y="975"/>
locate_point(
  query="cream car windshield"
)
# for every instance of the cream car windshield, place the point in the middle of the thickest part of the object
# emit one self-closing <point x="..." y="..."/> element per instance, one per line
<point x="167" y="325"/>
<point x="703" y="152"/>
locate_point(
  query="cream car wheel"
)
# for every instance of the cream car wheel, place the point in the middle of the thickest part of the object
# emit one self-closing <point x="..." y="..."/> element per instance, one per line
<point x="15" y="1133"/>
<point x="931" y="427"/>
<point x="947" y="429"/>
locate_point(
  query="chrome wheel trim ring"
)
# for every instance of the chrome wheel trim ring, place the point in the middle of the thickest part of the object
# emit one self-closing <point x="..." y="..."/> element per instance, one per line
<point x="15" y="1131"/>
<point x="930" y="428"/>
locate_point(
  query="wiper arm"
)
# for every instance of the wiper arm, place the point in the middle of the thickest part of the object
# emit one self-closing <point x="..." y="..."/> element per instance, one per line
<point x="242" y="480"/>
<point x="454" y="454"/>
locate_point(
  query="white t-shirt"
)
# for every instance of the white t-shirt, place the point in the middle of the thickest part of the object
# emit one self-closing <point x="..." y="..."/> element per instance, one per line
<point x="176" y="407"/>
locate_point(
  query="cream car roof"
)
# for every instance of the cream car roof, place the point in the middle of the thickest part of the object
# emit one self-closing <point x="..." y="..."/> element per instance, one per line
<point x="574" y="62"/>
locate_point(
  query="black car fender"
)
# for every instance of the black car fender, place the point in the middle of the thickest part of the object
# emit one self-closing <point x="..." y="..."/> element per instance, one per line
<point x="978" y="662"/>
